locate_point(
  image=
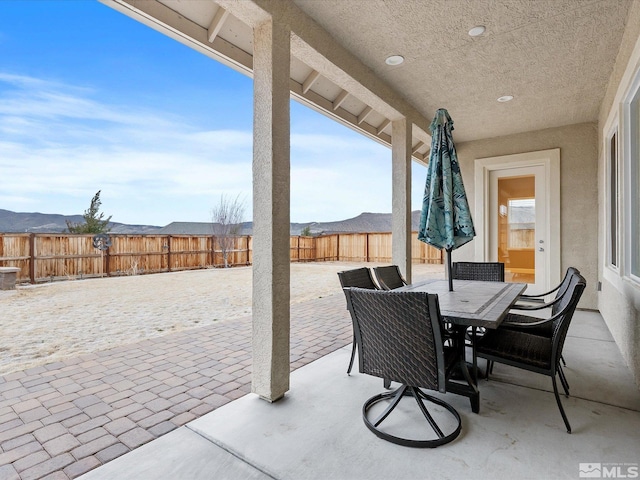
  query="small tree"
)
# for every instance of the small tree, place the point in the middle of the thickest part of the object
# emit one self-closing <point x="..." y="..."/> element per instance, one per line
<point x="227" y="217"/>
<point x="306" y="231"/>
<point x="94" y="221"/>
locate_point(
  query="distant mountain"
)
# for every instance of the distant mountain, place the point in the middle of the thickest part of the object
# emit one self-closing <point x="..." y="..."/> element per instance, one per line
<point x="365" y="222"/>
<point x="11" y="222"/>
<point x="53" y="223"/>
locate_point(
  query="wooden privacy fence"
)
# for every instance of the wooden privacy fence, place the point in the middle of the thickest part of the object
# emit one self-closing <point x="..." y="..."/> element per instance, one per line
<point x="366" y="247"/>
<point x="48" y="257"/>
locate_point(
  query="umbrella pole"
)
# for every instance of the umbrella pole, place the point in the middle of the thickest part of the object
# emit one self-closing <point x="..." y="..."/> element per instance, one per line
<point x="449" y="268"/>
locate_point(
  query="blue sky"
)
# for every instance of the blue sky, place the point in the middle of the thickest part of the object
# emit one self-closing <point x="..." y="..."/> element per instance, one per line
<point x="93" y="100"/>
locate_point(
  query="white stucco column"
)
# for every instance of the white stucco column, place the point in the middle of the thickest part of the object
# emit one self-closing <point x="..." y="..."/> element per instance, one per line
<point x="271" y="198"/>
<point x="401" y="196"/>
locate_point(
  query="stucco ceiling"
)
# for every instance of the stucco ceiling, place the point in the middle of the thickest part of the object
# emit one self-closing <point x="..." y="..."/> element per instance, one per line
<point x="554" y="56"/>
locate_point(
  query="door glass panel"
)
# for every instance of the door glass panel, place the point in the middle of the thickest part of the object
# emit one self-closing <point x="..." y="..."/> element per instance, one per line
<point x="516" y="227"/>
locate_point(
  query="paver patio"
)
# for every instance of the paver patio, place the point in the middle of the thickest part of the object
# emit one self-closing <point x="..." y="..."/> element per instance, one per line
<point x="63" y="419"/>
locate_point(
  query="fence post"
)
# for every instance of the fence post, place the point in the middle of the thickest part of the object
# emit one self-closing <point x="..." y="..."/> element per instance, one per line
<point x="338" y="248"/>
<point x="32" y="259"/>
<point x="366" y="248"/>
<point x="314" y="252"/>
<point x="107" y="263"/>
<point x="168" y="253"/>
<point x="213" y="250"/>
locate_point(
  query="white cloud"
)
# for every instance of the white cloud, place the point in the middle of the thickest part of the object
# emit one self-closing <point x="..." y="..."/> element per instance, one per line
<point x="60" y="144"/>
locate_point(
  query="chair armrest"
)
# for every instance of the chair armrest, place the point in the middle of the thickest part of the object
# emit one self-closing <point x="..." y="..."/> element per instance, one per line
<point x="543" y="321"/>
<point x="536" y="307"/>
<point x="529" y="307"/>
<point x="540" y="294"/>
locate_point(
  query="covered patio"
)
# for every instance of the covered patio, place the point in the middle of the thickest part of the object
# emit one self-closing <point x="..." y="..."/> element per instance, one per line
<point x="383" y="68"/>
<point x="573" y="70"/>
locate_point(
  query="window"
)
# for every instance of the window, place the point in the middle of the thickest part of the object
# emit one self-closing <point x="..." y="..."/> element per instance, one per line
<point x="522" y="222"/>
<point x="633" y="185"/>
<point x="612" y="237"/>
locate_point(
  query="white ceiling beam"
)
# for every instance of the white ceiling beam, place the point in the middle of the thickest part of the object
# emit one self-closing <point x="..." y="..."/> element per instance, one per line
<point x="310" y="80"/>
<point x="384" y="125"/>
<point x="418" y="146"/>
<point x="422" y="158"/>
<point x="325" y="106"/>
<point x="216" y="24"/>
<point x="364" y="114"/>
<point x="340" y="99"/>
<point x="246" y="11"/>
<point x="322" y="52"/>
<point x="161" y="18"/>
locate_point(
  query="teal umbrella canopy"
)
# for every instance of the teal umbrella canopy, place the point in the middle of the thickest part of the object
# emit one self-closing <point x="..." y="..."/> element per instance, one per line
<point x="445" y="222"/>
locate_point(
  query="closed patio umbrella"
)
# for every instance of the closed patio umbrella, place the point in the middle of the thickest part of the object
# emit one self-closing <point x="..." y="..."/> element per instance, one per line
<point x="445" y="222"/>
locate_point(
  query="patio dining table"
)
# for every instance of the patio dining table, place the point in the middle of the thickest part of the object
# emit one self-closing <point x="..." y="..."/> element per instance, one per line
<point x="470" y="304"/>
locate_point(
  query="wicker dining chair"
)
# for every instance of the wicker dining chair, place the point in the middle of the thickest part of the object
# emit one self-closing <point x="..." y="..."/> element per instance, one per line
<point x="533" y="352"/>
<point x="400" y="338"/>
<point x="483" y="271"/>
<point x="361" y="278"/>
<point x="389" y="277"/>
<point x="515" y="320"/>
<point x="480" y="271"/>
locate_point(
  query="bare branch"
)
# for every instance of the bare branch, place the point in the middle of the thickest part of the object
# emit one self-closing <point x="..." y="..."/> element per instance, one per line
<point x="227" y="218"/>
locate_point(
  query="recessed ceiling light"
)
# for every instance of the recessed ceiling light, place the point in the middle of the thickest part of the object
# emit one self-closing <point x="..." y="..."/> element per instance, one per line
<point x="394" y="60"/>
<point x="505" y="98"/>
<point x="477" y="31"/>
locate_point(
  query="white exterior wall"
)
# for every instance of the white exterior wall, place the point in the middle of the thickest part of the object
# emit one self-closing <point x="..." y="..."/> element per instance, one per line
<point x="578" y="191"/>
<point x="619" y="300"/>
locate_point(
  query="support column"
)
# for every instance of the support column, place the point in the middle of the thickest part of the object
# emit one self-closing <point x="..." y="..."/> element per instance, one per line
<point x="271" y="198"/>
<point x="401" y="196"/>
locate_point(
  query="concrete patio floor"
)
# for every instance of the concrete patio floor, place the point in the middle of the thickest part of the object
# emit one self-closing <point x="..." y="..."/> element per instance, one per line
<point x="316" y="431"/>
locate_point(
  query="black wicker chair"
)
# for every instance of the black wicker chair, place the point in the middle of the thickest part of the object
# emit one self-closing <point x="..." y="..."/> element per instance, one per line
<point x="533" y="352"/>
<point x="399" y="336"/>
<point x="389" y="277"/>
<point x="514" y="320"/>
<point x="483" y="271"/>
<point x="361" y="278"/>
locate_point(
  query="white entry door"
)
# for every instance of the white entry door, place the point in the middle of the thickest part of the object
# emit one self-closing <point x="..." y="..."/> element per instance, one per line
<point x="521" y="222"/>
